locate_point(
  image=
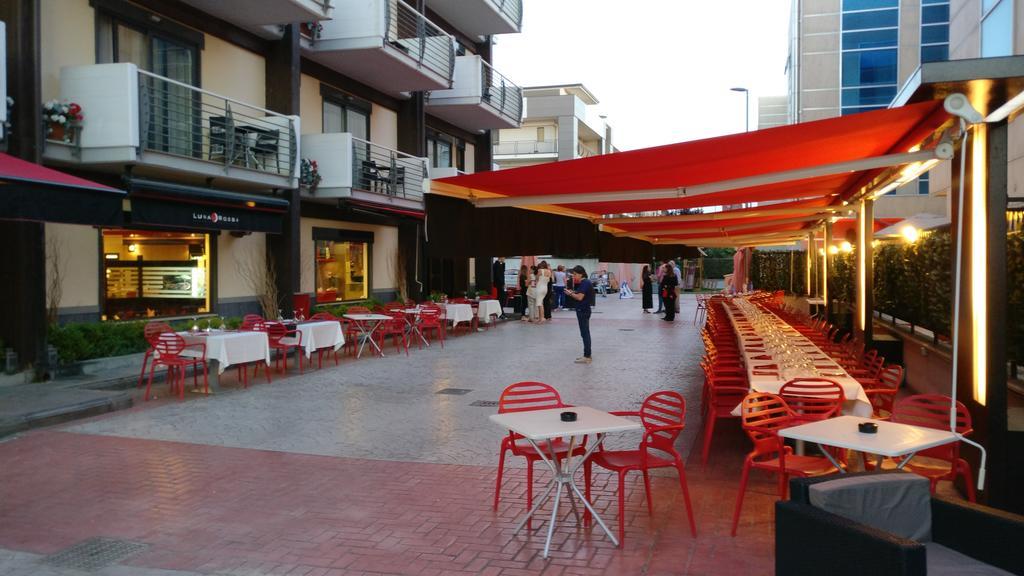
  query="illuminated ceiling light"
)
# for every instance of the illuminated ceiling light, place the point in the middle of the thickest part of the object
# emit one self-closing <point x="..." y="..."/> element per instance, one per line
<point x="846" y="247"/>
<point x="910" y="234"/>
<point x="133" y="247"/>
<point x="833" y="250"/>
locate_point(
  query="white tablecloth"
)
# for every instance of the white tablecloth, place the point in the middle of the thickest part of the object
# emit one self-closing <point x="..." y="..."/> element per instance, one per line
<point x="459" y="313"/>
<point x="488" y="307"/>
<point x="230" y="348"/>
<point x="321" y="334"/>
<point x="770" y="380"/>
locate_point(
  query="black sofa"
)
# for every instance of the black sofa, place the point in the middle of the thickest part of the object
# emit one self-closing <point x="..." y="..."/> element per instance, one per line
<point x="966" y="539"/>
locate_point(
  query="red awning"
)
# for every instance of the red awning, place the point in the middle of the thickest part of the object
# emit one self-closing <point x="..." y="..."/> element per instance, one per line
<point x="33" y="192"/>
<point x="809" y="166"/>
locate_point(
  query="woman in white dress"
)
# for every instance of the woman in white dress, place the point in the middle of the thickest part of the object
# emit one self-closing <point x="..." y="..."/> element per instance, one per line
<point x="540" y="291"/>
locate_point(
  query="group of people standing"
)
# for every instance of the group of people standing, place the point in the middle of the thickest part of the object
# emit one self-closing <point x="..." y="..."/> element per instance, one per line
<point x="669" y="279"/>
<point x="544" y="291"/>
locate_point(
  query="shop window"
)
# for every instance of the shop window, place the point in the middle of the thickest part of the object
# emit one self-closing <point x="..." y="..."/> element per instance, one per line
<point x="155" y="274"/>
<point x="342" y="268"/>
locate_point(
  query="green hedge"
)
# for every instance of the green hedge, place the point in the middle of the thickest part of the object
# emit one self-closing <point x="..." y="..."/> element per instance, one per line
<point x="913" y="281"/>
<point x="1015" y="297"/>
<point x="75" y="342"/>
<point x="770" y="270"/>
<point x="717" y="268"/>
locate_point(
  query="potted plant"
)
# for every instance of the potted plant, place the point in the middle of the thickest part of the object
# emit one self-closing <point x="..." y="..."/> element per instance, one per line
<point x="60" y="118"/>
<point x="309" y="174"/>
<point x="438" y="297"/>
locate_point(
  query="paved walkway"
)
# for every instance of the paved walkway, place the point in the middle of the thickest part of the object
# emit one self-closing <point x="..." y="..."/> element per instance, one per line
<point x="378" y="466"/>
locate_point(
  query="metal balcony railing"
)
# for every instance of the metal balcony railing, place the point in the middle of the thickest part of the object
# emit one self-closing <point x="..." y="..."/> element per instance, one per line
<point x="526" y="147"/>
<point x="176" y="118"/>
<point x="583" y="151"/>
<point x="511" y="8"/>
<point x="385" y="171"/>
<point x="425" y="42"/>
<point x="500" y="93"/>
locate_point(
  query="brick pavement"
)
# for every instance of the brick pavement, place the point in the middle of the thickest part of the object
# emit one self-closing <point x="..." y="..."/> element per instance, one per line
<point x="273" y="480"/>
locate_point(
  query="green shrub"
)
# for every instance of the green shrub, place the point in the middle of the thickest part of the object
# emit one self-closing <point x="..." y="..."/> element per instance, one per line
<point x="717" y="268"/>
<point x="76" y="342"/>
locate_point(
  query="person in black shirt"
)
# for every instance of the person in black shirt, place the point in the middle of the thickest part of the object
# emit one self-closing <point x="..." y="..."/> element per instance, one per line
<point x="646" y="288"/>
<point x="498" y="281"/>
<point x="583" y="294"/>
<point x="668" y="292"/>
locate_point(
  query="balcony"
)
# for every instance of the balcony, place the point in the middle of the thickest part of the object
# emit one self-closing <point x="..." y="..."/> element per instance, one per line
<point x="353" y="168"/>
<point x="481" y="17"/>
<point x="385" y="44"/>
<point x="168" y="129"/>
<point x="526" y="148"/>
<point x="255" y="14"/>
<point x="480" y="98"/>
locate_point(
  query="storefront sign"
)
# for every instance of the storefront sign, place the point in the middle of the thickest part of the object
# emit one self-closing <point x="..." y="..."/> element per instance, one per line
<point x="215" y="218"/>
<point x="171" y="214"/>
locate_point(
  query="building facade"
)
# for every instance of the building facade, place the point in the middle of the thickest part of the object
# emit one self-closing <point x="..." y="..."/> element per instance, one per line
<point x="560" y="123"/>
<point x="288" y="141"/>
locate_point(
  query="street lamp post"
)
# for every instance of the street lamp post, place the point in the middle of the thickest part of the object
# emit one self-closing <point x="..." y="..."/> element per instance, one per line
<point x="746" y="105"/>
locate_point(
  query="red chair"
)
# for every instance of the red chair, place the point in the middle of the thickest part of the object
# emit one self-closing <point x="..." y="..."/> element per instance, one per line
<point x="812" y="399"/>
<point x="396" y="329"/>
<point x="167" y="351"/>
<point x="663" y="415"/>
<point x="322" y="317"/>
<point x="284" y="341"/>
<point x="249" y="322"/>
<point x="883" y="393"/>
<point x="327" y="317"/>
<point x="522" y="397"/>
<point x="942" y="462"/>
<point x="432" y="320"/>
<point x="151" y="333"/>
<point x="763" y="416"/>
<point x="721" y="400"/>
<point x="358" y="310"/>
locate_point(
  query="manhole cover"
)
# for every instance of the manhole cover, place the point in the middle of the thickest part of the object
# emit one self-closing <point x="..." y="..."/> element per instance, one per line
<point x="485" y="403"/>
<point x="95" y="553"/>
<point x="454" y="391"/>
<point x="626" y="329"/>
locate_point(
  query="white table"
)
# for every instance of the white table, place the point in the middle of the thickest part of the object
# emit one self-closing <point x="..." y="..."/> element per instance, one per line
<point x="321" y="334"/>
<point x="756" y="357"/>
<point x="892" y="439"/>
<point x="487" y="308"/>
<point x="226" y="348"/>
<point x="374" y="321"/>
<point x="539" y="425"/>
<point x="458" y="313"/>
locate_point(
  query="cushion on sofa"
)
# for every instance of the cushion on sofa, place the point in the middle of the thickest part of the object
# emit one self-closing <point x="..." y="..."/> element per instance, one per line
<point x="896" y="503"/>
<point x="943" y="561"/>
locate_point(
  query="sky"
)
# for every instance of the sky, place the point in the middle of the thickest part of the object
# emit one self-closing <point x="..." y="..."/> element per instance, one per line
<point x="661" y="69"/>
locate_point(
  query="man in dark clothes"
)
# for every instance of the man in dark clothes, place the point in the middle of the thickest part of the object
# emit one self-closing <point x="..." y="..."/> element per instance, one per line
<point x="498" y="281"/>
<point x="583" y="294"/>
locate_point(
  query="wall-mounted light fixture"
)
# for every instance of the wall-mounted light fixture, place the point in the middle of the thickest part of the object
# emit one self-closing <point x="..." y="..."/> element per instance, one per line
<point x="910" y="234"/>
<point x="133" y="248"/>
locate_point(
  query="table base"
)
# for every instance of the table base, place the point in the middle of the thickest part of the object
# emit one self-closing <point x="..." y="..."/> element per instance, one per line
<point x="563" y="473"/>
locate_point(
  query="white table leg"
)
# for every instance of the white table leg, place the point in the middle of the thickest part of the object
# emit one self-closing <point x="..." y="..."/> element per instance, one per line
<point x="368" y="336"/>
<point x="563" y="474"/>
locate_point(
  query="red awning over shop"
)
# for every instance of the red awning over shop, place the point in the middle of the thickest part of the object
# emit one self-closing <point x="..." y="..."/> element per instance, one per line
<point x="809" y="167"/>
<point x="30" y="191"/>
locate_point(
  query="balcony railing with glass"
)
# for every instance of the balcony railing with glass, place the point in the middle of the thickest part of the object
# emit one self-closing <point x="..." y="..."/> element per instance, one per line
<point x="501" y="94"/>
<point x="176" y="118"/>
<point x="424" y="41"/>
<point x="381" y="170"/>
<point x="522" y="147"/>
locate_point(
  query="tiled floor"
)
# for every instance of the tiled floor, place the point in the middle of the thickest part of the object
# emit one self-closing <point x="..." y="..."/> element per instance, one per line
<point x="365" y="469"/>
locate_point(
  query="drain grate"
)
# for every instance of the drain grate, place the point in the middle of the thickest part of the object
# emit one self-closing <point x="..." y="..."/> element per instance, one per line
<point x="95" y="553"/>
<point x="454" y="391"/>
<point x="485" y="403"/>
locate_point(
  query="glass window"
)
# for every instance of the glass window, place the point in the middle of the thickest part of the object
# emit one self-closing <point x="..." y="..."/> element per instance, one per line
<point x="152" y="274"/>
<point x="869" y="20"/>
<point x="937" y="53"/>
<point x="922" y="183"/>
<point x="870" y="39"/>
<point x="850" y="5"/>
<point x="935" y="34"/>
<point x="341" y="271"/>
<point x="997" y="30"/>
<point x="936" y="14"/>
<point x="879" y="96"/>
<point x="339" y="117"/>
<point x="869" y="67"/>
